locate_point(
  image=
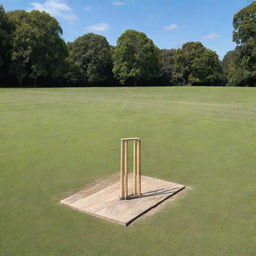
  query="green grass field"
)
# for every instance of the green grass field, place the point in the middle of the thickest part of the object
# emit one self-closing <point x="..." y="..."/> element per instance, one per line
<point x="59" y="139"/>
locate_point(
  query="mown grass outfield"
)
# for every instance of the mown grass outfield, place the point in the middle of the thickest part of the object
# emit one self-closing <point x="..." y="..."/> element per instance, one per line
<point x="59" y="139"/>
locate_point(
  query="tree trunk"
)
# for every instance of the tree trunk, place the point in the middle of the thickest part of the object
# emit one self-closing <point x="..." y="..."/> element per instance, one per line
<point x="20" y="81"/>
<point x="35" y="82"/>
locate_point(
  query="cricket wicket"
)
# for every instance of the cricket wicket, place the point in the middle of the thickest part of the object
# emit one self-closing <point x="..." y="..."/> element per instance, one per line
<point x="136" y="167"/>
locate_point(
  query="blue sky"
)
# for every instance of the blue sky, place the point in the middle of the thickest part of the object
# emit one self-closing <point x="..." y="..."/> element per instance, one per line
<point x="169" y="23"/>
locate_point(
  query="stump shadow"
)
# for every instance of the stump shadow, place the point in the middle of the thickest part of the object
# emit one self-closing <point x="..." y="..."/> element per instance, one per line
<point x="156" y="192"/>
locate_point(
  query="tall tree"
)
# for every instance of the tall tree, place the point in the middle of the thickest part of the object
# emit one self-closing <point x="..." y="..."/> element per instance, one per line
<point x="135" y="58"/>
<point x="166" y="64"/>
<point x="244" y="35"/>
<point x="38" y="51"/>
<point x="196" y="65"/>
<point x="90" y="59"/>
<point x="232" y="71"/>
<point x="6" y="29"/>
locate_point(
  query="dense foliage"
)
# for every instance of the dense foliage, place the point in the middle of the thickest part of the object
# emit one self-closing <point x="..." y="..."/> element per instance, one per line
<point x="135" y="58"/>
<point x="230" y="68"/>
<point x="166" y="65"/>
<point x="196" y="65"/>
<point x="90" y="58"/>
<point x="240" y="64"/>
<point x="37" y="51"/>
<point x="6" y="29"/>
<point x="32" y="52"/>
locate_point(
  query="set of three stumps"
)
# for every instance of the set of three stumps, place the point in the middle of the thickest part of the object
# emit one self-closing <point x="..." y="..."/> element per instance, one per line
<point x="124" y="167"/>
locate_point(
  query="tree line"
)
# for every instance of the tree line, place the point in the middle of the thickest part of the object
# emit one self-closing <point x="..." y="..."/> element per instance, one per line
<point x="33" y="53"/>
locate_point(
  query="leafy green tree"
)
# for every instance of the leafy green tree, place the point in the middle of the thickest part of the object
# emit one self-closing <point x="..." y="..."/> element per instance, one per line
<point x="135" y="58"/>
<point x="90" y="59"/>
<point x="183" y="60"/>
<point x="196" y="65"/>
<point x="232" y="71"/>
<point x="38" y="51"/>
<point x="244" y="23"/>
<point x="166" y="65"/>
<point x="206" y="69"/>
<point x="6" y="29"/>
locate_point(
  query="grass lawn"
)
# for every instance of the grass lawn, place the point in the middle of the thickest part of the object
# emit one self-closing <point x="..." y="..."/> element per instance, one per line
<point x="59" y="139"/>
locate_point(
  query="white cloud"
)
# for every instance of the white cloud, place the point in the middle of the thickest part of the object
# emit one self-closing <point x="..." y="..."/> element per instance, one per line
<point x="57" y="8"/>
<point x="211" y="36"/>
<point x="98" y="27"/>
<point x="118" y="3"/>
<point x="172" y="27"/>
